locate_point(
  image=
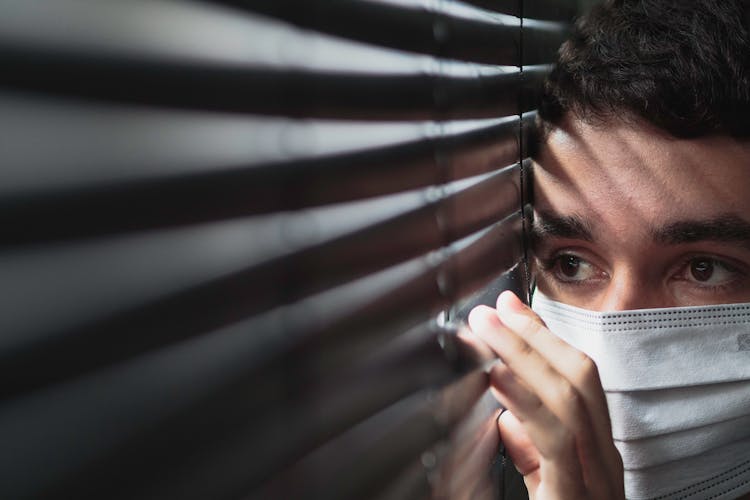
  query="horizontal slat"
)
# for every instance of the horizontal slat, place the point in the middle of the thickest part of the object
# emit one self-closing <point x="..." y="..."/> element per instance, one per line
<point x="541" y="40"/>
<point x="61" y="213"/>
<point x="366" y="458"/>
<point x="269" y="438"/>
<point x="242" y="90"/>
<point x="145" y="410"/>
<point x="243" y="266"/>
<point x="57" y="145"/>
<point x="515" y="281"/>
<point x="457" y="8"/>
<point x="226" y="471"/>
<point x="377" y="307"/>
<point x="468" y="271"/>
<point x="63" y="145"/>
<point x="212" y="33"/>
<point x="413" y="483"/>
<point x="63" y="287"/>
<point x="291" y="276"/>
<point x="203" y="34"/>
<point x="387" y="36"/>
<point x="474" y="38"/>
<point x="198" y="32"/>
<point x="403" y="291"/>
<point x="143" y="416"/>
<point x="466" y="463"/>
<point x="417" y="30"/>
<point x="551" y="10"/>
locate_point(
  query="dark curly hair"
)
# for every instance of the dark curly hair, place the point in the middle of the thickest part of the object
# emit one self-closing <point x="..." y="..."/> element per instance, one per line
<point x="683" y="65"/>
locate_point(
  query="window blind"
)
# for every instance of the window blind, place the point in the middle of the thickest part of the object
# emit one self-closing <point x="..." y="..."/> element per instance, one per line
<point x="236" y="234"/>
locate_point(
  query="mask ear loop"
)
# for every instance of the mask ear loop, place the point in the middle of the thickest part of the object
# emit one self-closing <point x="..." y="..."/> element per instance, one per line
<point x="527" y="216"/>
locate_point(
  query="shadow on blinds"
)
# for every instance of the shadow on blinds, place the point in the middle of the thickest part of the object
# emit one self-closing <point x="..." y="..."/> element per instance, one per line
<point x="230" y="229"/>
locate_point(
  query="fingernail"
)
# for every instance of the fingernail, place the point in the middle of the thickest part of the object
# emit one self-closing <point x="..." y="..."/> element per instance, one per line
<point x="509" y="302"/>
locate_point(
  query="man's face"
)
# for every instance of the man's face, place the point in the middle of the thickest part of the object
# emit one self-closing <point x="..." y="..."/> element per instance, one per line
<point x="627" y="217"/>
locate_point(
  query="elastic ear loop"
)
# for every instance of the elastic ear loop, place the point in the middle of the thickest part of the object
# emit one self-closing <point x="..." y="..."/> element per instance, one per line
<point x="501" y="462"/>
<point x="527" y="217"/>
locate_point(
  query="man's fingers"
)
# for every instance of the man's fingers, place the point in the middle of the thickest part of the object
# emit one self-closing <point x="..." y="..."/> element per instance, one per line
<point x="517" y="442"/>
<point x="539" y="388"/>
<point x="577" y="368"/>
<point x="479" y="351"/>
<point x="534" y="371"/>
<point x="557" y="455"/>
<point x="520" y="449"/>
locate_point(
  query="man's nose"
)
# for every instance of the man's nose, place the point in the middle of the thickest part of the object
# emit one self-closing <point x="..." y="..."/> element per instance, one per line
<point x="629" y="291"/>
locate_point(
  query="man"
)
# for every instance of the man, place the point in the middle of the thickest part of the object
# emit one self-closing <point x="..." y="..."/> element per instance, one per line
<point x="638" y="385"/>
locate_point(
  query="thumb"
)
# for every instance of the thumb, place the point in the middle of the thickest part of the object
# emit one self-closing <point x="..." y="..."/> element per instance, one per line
<point x="522" y="451"/>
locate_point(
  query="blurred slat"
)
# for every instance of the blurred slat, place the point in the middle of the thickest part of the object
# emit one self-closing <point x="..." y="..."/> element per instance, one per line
<point x="60" y="145"/>
<point x="444" y="218"/>
<point x="465" y="468"/>
<point x="197" y="32"/>
<point x="211" y="305"/>
<point x="482" y="39"/>
<point x="168" y="409"/>
<point x="384" y="445"/>
<point x="406" y="28"/>
<point x="540" y="41"/>
<point x="461" y="466"/>
<point x="173" y="402"/>
<point x="292" y="93"/>
<point x="63" y="213"/>
<point x="255" y="258"/>
<point x="550" y="10"/>
<point x="410" y="484"/>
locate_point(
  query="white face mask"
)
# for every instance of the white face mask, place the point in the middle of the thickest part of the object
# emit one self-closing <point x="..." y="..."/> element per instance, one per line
<point x="677" y="382"/>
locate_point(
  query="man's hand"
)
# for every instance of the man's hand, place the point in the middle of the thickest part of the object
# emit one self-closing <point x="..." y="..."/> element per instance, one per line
<point x="556" y="427"/>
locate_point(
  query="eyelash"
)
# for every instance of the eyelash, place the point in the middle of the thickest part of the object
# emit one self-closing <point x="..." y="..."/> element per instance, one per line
<point x="547" y="263"/>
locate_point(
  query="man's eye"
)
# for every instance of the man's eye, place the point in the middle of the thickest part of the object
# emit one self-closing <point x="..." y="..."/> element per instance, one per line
<point x="571" y="268"/>
<point x="569" y="265"/>
<point x="709" y="272"/>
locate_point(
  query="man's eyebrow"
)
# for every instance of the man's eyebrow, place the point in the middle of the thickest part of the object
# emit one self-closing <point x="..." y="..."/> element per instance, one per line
<point x="728" y="228"/>
<point x="548" y="225"/>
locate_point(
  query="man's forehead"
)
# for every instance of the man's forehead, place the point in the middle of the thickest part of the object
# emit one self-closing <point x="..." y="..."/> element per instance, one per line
<point x="633" y="176"/>
<point x="628" y="198"/>
<point x="644" y="142"/>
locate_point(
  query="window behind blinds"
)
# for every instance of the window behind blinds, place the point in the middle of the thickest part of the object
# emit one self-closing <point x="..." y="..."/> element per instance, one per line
<point x="230" y="229"/>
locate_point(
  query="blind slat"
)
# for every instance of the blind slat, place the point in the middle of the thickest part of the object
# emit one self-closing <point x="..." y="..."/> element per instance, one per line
<point x="212" y="32"/>
<point x="424" y="31"/>
<point x="278" y="424"/>
<point x="286" y="93"/>
<point x="552" y="10"/>
<point x="411" y="484"/>
<point x="138" y="205"/>
<point x="197" y="311"/>
<point x="386" y="443"/>
<point x="58" y="145"/>
<point x="388" y="25"/>
<point x="540" y="40"/>
<point x="235" y="290"/>
<point x="468" y="459"/>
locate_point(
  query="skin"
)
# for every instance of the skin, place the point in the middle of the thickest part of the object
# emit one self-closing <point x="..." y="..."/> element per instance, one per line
<point x="626" y="217"/>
